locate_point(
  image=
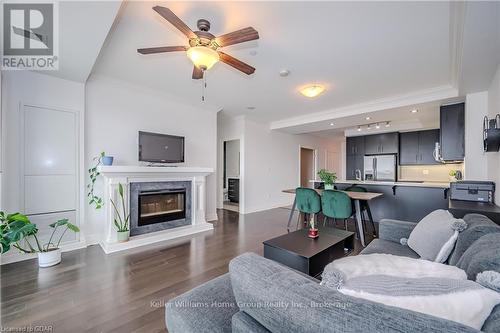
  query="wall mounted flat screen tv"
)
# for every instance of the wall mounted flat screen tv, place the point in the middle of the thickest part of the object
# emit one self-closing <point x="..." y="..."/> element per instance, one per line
<point x="160" y="148"/>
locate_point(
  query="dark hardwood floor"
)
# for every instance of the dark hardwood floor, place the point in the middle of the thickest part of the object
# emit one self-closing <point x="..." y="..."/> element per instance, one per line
<point x="125" y="292"/>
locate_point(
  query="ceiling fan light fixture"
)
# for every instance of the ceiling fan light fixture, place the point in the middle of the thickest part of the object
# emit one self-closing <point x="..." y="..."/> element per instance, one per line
<point x="203" y="57"/>
<point x="312" y="90"/>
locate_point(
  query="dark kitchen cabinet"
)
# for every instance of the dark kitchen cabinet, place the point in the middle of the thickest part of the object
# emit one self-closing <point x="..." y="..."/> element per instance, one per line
<point x="355" y="145"/>
<point x="452" y="123"/>
<point x="416" y="148"/>
<point x="387" y="143"/>
<point x="353" y="163"/>
<point x="426" y="144"/>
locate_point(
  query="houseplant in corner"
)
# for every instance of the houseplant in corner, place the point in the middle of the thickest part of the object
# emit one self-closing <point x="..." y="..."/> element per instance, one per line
<point x="17" y="231"/>
<point x="328" y="178"/>
<point x="121" y="220"/>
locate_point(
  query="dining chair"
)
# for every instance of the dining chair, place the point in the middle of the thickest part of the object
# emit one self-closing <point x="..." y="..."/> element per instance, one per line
<point x="364" y="207"/>
<point x="308" y="202"/>
<point x="336" y="205"/>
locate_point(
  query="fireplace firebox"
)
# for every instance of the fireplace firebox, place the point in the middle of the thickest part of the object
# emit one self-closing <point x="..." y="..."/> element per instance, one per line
<point x="156" y="206"/>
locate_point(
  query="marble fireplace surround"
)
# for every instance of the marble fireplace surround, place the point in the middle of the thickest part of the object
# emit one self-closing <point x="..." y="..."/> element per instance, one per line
<point x="114" y="175"/>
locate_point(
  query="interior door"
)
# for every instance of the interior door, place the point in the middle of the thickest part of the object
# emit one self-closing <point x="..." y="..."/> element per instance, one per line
<point x="50" y="151"/>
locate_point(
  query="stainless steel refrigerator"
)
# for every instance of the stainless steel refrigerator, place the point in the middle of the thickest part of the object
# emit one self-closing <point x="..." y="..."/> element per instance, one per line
<point x="380" y="167"/>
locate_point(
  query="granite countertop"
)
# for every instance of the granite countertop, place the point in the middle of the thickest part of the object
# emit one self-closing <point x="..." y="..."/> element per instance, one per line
<point x="389" y="183"/>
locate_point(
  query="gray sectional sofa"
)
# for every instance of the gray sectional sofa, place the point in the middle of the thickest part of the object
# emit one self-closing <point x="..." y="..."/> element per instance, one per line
<point x="260" y="295"/>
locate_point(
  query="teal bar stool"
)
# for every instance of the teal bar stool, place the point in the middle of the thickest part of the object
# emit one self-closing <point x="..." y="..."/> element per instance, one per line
<point x="364" y="207"/>
<point x="336" y="205"/>
<point x="308" y="202"/>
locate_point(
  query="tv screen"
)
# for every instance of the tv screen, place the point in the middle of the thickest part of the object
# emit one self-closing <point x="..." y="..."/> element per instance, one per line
<point x="161" y="148"/>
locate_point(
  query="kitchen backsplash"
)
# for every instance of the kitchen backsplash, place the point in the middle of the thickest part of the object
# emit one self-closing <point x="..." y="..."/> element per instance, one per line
<point x="428" y="173"/>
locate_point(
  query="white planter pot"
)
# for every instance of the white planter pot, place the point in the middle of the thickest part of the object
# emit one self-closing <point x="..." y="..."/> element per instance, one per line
<point x="51" y="258"/>
<point x="329" y="186"/>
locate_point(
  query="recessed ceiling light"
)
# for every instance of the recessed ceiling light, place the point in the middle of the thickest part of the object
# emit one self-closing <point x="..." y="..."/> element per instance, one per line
<point x="251" y="107"/>
<point x="359" y="128"/>
<point x="312" y="90"/>
<point x="368" y="118"/>
<point x="377" y="126"/>
<point x="414" y="111"/>
<point x="331" y="124"/>
<point x="284" y="72"/>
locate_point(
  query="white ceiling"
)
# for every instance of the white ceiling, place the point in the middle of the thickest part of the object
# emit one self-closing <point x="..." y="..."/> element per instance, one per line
<point x="83" y="27"/>
<point x="373" y="57"/>
<point x="361" y="51"/>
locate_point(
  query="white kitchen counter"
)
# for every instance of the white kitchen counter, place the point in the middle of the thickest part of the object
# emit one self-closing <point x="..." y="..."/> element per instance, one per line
<point x="399" y="183"/>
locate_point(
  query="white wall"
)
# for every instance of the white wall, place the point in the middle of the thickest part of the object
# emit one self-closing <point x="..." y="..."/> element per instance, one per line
<point x="476" y="160"/>
<point x="24" y="87"/>
<point x="494" y="109"/>
<point x="116" y="111"/>
<point x="271" y="164"/>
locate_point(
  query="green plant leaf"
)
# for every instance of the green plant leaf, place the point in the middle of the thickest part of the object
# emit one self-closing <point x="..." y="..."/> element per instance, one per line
<point x="117" y="225"/>
<point x="59" y="223"/>
<point x="120" y="189"/>
<point x="72" y="227"/>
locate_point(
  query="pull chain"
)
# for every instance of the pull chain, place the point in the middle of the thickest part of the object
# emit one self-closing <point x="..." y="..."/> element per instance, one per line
<point x="203" y="86"/>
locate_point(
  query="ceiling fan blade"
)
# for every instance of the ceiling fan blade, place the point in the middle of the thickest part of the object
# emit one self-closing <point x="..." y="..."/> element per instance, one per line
<point x="168" y="15"/>
<point x="238" y="64"/>
<point x="239" y="36"/>
<point x="161" y="49"/>
<point x="197" y="73"/>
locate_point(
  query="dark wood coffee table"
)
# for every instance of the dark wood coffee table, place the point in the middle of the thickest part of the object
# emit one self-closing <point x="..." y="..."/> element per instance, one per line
<point x="307" y="255"/>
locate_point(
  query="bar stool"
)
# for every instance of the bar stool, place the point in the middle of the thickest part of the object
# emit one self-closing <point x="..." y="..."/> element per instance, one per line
<point x="364" y="207"/>
<point x="308" y="202"/>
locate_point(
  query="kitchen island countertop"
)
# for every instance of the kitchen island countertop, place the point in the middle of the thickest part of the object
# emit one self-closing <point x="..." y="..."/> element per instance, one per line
<point x="389" y="183"/>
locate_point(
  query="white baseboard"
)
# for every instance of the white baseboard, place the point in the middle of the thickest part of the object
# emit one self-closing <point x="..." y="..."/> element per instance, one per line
<point x="212" y="217"/>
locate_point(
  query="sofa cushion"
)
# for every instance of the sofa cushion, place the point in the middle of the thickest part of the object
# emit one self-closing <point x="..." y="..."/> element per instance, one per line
<point x="431" y="234"/>
<point x="206" y="308"/>
<point x="284" y="301"/>
<point x="389" y="247"/>
<point x="482" y="255"/>
<point x="477" y="226"/>
<point x="243" y="323"/>
<point x="492" y="324"/>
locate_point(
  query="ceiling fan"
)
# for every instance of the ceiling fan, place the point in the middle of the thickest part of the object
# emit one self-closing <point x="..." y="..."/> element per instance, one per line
<point x="203" y="49"/>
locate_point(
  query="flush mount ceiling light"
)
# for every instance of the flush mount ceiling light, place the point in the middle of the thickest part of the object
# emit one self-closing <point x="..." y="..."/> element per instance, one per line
<point x="359" y="128"/>
<point x="312" y="90"/>
<point x="414" y="111"/>
<point x="331" y="124"/>
<point x="284" y="72"/>
<point x="203" y="57"/>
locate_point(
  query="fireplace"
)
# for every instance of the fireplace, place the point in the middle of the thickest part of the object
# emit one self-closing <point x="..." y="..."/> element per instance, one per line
<point x="156" y="206"/>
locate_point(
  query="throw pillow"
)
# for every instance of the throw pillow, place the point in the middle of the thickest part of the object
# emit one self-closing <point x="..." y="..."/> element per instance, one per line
<point x="347" y="268"/>
<point x="462" y="301"/>
<point x="433" y="238"/>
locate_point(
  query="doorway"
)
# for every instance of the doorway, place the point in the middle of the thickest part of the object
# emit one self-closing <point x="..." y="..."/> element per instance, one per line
<point x="231" y="175"/>
<point x="307" y="167"/>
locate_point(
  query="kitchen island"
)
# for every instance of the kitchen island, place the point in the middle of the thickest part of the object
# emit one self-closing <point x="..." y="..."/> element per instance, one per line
<point x="408" y="201"/>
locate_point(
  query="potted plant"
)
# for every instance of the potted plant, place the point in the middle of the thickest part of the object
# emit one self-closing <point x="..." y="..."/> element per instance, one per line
<point x="121" y="220"/>
<point x="16" y="228"/>
<point x="328" y="178"/>
<point x="313" y="231"/>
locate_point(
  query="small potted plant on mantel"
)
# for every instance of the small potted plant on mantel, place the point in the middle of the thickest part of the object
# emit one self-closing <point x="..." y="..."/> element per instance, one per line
<point x="121" y="219"/>
<point x="328" y="178"/>
<point x="17" y="231"/>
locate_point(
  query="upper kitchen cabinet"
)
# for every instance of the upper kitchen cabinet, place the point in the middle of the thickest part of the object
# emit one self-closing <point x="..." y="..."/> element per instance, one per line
<point x="452" y="122"/>
<point x="355" y="145"/>
<point x="387" y="143"/>
<point x="416" y="148"/>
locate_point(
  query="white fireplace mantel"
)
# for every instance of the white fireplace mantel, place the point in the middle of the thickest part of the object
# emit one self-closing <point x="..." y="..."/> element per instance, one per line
<point x="115" y="175"/>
